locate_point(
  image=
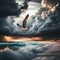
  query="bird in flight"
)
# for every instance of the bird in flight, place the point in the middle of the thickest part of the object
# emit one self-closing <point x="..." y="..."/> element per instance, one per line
<point x="24" y="23"/>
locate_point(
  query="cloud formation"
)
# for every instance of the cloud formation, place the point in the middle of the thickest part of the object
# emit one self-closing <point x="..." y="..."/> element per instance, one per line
<point x="11" y="7"/>
<point x="8" y="8"/>
<point x="44" y="21"/>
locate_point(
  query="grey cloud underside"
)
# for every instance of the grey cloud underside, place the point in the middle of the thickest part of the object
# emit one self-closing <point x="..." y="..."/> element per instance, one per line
<point x="38" y="1"/>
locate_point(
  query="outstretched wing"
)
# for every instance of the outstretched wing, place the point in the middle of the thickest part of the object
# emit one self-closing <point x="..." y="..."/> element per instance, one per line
<point x="25" y="21"/>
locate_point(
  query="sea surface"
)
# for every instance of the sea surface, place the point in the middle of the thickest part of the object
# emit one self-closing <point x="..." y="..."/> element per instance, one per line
<point x="33" y="50"/>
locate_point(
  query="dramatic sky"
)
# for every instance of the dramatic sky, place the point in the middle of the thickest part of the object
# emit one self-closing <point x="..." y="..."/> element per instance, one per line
<point x="14" y="11"/>
<point x="41" y="22"/>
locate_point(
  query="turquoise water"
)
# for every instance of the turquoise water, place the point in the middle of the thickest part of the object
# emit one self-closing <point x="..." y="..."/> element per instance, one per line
<point x="34" y="50"/>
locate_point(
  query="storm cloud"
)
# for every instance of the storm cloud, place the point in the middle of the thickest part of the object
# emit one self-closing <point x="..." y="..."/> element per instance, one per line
<point x="43" y="22"/>
<point x="11" y="7"/>
<point x="49" y="24"/>
<point x="8" y="8"/>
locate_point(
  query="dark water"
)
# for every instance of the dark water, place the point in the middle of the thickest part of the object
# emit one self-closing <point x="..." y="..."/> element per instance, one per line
<point x="34" y="50"/>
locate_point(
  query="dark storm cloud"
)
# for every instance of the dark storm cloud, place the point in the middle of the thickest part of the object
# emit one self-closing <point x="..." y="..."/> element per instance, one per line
<point x="8" y="8"/>
<point x="25" y="4"/>
<point x="4" y="25"/>
<point x="11" y="8"/>
<point x="38" y="1"/>
<point x="40" y="26"/>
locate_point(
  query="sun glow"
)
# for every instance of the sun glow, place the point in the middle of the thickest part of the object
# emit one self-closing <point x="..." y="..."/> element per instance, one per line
<point x="18" y="39"/>
<point x="15" y="39"/>
<point x="27" y="39"/>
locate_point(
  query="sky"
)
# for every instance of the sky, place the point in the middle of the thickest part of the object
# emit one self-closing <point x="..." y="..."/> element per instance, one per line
<point x="38" y="24"/>
<point x="18" y="43"/>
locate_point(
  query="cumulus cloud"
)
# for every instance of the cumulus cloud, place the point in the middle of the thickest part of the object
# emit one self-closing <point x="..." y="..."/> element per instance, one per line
<point x="47" y="23"/>
<point x="44" y="21"/>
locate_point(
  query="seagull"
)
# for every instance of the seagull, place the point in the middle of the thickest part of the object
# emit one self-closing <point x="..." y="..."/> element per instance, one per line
<point x="24" y="23"/>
